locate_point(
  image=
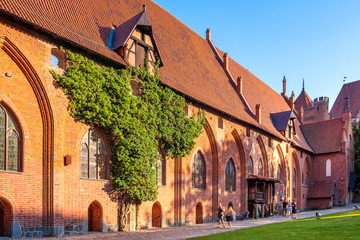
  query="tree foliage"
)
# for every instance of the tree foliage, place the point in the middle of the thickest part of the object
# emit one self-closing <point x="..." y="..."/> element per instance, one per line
<point x="356" y="132"/>
<point x="100" y="96"/>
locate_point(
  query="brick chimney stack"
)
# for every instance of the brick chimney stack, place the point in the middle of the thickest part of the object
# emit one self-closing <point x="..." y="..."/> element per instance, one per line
<point x="226" y="61"/>
<point x="258" y="113"/>
<point x="239" y="85"/>
<point x="292" y="100"/>
<point x="208" y="34"/>
<point x="284" y="87"/>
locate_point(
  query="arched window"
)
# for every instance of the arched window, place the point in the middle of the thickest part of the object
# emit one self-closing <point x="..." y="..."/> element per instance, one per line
<point x="294" y="183"/>
<point x="93" y="155"/>
<point x="260" y="168"/>
<point x="279" y="172"/>
<point x="250" y="166"/>
<point x="328" y="168"/>
<point x="198" y="171"/>
<point x="302" y="178"/>
<point x="58" y="58"/>
<point x="10" y="142"/>
<point x="230" y="176"/>
<point x="161" y="169"/>
<point x="271" y="170"/>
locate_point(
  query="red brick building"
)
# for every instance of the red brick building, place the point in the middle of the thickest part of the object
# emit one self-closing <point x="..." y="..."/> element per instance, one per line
<point x="255" y="149"/>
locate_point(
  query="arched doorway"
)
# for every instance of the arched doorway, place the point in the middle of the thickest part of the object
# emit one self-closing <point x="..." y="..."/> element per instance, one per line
<point x="5" y="218"/>
<point x="156" y="215"/>
<point x="199" y="213"/>
<point x="94" y="217"/>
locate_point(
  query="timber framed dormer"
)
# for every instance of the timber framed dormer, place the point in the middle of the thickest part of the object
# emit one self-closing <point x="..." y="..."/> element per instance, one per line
<point x="135" y="42"/>
<point x="284" y="123"/>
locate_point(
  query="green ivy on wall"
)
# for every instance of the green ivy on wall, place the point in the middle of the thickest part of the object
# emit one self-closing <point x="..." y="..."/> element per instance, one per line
<point x="100" y="96"/>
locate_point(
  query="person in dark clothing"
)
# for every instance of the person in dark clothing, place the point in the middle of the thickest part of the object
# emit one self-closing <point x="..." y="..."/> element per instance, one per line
<point x="221" y="215"/>
<point x="293" y="209"/>
<point x="284" y="208"/>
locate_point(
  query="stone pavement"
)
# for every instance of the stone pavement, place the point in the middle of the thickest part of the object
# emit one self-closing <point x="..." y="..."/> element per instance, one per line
<point x="185" y="232"/>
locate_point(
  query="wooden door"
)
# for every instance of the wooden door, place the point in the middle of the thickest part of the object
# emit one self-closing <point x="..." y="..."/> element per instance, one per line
<point x="156" y="215"/>
<point x="199" y="213"/>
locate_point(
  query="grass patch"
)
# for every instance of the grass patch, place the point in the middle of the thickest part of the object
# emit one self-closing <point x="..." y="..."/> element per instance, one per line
<point x="344" y="225"/>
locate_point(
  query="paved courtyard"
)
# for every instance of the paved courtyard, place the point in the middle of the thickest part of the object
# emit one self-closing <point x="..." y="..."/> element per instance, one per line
<point x="196" y="230"/>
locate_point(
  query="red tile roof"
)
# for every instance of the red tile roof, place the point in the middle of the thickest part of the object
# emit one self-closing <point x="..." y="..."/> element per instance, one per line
<point x="352" y="91"/>
<point x="190" y="64"/>
<point x="303" y="100"/>
<point x="321" y="189"/>
<point x="325" y="136"/>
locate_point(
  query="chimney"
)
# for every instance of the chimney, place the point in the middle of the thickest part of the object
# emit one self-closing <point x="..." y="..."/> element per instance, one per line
<point x="258" y="113"/>
<point x="144" y="7"/>
<point x="346" y="111"/>
<point x="301" y="113"/>
<point x="284" y="87"/>
<point x="292" y="100"/>
<point x="208" y="34"/>
<point x="226" y="62"/>
<point x="239" y="85"/>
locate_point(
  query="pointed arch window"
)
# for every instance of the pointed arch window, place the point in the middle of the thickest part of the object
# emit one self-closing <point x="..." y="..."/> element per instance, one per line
<point x="271" y="170"/>
<point x="230" y="176"/>
<point x="260" y="168"/>
<point x="198" y="171"/>
<point x="10" y="142"/>
<point x="250" y="166"/>
<point x="161" y="169"/>
<point x="93" y="156"/>
<point x="328" y="168"/>
<point x="279" y="172"/>
<point x="294" y="183"/>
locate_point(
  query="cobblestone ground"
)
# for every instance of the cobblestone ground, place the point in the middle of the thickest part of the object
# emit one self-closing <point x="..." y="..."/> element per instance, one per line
<point x="196" y="230"/>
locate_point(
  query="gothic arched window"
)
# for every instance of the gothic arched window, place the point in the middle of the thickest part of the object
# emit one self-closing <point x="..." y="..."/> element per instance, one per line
<point x="328" y="168"/>
<point x="161" y="169"/>
<point x="230" y="176"/>
<point x="271" y="170"/>
<point x="198" y="171"/>
<point x="278" y="172"/>
<point x="10" y="142"/>
<point x="260" y="168"/>
<point x="93" y="155"/>
<point x="250" y="166"/>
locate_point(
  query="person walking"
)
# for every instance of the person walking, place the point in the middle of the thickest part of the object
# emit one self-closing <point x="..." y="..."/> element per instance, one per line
<point x="229" y="215"/>
<point x="284" y="205"/>
<point x="289" y="208"/>
<point x="293" y="209"/>
<point x="221" y="215"/>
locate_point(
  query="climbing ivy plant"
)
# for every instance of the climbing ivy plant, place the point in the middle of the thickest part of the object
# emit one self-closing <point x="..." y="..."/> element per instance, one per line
<point x="100" y="96"/>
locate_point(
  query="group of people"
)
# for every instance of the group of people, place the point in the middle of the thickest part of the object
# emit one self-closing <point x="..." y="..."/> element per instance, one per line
<point x="289" y="208"/>
<point x="229" y="215"/>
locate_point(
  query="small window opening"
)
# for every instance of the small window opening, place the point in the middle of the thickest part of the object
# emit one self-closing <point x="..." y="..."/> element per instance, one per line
<point x="220" y="123"/>
<point x="58" y="58"/>
<point x="248" y="132"/>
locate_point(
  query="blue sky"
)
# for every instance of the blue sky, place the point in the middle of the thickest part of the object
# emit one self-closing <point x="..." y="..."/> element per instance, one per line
<point x="315" y="40"/>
